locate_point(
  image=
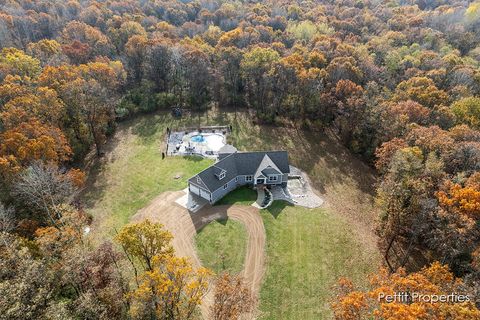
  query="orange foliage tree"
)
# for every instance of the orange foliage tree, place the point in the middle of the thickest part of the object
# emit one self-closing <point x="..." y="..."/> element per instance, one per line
<point x="31" y="141"/>
<point x="464" y="200"/>
<point x="414" y="300"/>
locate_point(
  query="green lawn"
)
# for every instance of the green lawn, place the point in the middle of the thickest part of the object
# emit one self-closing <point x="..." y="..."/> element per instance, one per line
<point x="242" y="196"/>
<point x="132" y="173"/>
<point x="221" y="246"/>
<point x="307" y="251"/>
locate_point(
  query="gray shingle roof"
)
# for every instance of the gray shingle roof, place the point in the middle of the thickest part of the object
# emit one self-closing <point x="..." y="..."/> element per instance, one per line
<point x="241" y="163"/>
<point x="228" y="148"/>
<point x="270" y="171"/>
<point x="264" y="165"/>
<point x="217" y="170"/>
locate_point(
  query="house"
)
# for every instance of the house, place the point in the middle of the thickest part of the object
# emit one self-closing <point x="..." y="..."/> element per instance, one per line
<point x="234" y="169"/>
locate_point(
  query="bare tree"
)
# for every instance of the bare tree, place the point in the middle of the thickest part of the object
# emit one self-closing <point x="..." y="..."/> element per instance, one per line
<point x="6" y="218"/>
<point x="7" y="223"/>
<point x="44" y="187"/>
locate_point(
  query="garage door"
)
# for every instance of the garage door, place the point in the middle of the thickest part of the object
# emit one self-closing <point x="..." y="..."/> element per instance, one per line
<point x="204" y="194"/>
<point x="194" y="189"/>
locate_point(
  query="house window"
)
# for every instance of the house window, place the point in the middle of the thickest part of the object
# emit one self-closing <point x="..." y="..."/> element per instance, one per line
<point x="249" y="178"/>
<point x="272" y="178"/>
<point x="225" y="186"/>
<point x="222" y="175"/>
<point x="236" y="179"/>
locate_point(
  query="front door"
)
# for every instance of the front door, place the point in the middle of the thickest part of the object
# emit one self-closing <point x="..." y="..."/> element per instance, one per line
<point x="260" y="181"/>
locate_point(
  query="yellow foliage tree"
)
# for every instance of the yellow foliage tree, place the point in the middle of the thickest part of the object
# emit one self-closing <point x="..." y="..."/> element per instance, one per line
<point x="145" y="240"/>
<point x="172" y="289"/>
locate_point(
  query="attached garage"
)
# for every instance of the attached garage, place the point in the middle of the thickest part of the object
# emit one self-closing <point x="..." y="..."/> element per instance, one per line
<point x="200" y="192"/>
<point x="204" y="194"/>
<point x="194" y="189"/>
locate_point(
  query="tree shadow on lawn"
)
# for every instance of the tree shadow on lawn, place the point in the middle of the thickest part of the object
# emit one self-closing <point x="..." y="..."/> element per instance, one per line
<point x="207" y="214"/>
<point x="193" y="158"/>
<point x="276" y="208"/>
<point x="94" y="188"/>
<point x="319" y="153"/>
<point x="242" y="195"/>
<point x="147" y="127"/>
<point x="223" y="221"/>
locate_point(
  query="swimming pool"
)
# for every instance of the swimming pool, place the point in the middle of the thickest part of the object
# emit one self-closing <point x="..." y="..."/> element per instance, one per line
<point x="212" y="141"/>
<point x="198" y="138"/>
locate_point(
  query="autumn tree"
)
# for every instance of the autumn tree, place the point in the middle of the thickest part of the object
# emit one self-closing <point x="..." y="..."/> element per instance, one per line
<point x="49" y="52"/>
<point x="31" y="141"/>
<point x="349" y="109"/>
<point x="467" y="111"/>
<point x="197" y="77"/>
<point x="92" y="98"/>
<point x="42" y="104"/>
<point x="15" y="62"/>
<point x="386" y="151"/>
<point x="422" y="90"/>
<point x="344" y="68"/>
<point x="143" y="241"/>
<point x="455" y="235"/>
<point x="27" y="285"/>
<point x="436" y="279"/>
<point x="136" y="53"/>
<point x="463" y="200"/>
<point x="159" y="64"/>
<point x="230" y="59"/>
<point x="84" y="42"/>
<point x="396" y="117"/>
<point x="89" y="279"/>
<point x="255" y="65"/>
<point x="169" y="288"/>
<point x="232" y="299"/>
<point x="403" y="197"/>
<point x="172" y="289"/>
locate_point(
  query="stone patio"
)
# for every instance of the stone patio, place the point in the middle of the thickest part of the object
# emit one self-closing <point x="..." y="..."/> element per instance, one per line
<point x="298" y="191"/>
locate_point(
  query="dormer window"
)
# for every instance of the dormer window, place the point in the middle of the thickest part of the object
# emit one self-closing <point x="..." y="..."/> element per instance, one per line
<point x="219" y="173"/>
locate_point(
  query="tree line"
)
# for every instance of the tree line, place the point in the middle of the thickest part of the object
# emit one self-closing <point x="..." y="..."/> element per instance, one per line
<point x="397" y="81"/>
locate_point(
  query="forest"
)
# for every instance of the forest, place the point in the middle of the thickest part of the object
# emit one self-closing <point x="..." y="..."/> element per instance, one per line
<point x="398" y="82"/>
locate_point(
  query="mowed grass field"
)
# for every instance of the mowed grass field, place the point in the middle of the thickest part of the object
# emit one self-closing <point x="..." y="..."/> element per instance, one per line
<point x="221" y="246"/>
<point x="307" y="250"/>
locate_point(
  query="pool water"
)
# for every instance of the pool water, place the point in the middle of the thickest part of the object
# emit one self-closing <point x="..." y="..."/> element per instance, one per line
<point x="197" y="138"/>
<point x="213" y="142"/>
